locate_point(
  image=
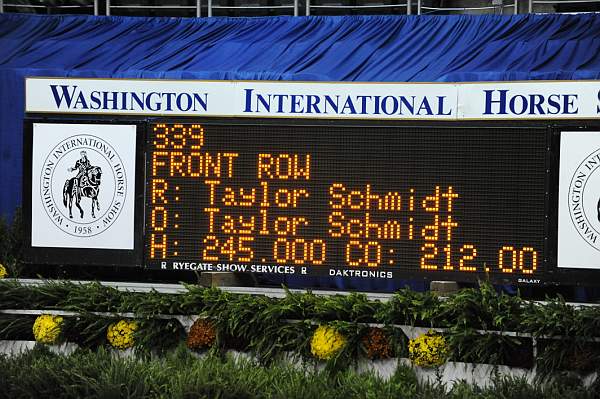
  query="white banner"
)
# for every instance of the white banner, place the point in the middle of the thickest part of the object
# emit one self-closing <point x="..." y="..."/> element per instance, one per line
<point x="529" y="100"/>
<point x="83" y="185"/>
<point x="277" y="99"/>
<point x="579" y="200"/>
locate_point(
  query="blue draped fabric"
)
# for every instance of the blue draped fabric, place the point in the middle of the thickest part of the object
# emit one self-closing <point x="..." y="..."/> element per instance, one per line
<point x="354" y="48"/>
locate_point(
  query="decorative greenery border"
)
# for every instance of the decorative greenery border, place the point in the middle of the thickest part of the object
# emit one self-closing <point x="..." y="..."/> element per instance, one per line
<point x="180" y="374"/>
<point x="479" y="325"/>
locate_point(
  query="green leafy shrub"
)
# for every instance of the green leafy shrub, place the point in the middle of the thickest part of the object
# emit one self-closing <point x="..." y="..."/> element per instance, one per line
<point x="482" y="309"/>
<point x="408" y="307"/>
<point x="87" y="330"/>
<point x="179" y="374"/>
<point x="17" y="327"/>
<point x="272" y="328"/>
<point x="11" y="243"/>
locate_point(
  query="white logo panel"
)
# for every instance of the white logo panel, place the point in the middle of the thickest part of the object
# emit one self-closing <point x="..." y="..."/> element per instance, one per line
<point x="83" y="186"/>
<point x="579" y="201"/>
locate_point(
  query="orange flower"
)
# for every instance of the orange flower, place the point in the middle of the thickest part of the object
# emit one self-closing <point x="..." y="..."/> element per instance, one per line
<point x="377" y="344"/>
<point x="202" y="335"/>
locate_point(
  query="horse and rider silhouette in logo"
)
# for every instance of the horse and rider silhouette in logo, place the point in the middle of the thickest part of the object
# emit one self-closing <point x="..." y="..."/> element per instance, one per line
<point x="85" y="184"/>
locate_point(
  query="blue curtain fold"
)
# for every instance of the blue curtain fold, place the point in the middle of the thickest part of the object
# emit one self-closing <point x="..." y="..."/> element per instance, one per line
<point x="352" y="48"/>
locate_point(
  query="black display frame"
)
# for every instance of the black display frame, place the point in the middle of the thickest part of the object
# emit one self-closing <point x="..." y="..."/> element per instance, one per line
<point x="135" y="258"/>
<point x="471" y="125"/>
<point x="83" y="256"/>
<point x="557" y="275"/>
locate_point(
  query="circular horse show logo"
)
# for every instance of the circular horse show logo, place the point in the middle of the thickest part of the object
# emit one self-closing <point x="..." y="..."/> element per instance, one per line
<point x="584" y="199"/>
<point x="83" y="185"/>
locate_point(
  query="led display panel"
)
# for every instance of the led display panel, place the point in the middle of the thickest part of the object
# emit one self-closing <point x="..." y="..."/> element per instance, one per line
<point x="375" y="202"/>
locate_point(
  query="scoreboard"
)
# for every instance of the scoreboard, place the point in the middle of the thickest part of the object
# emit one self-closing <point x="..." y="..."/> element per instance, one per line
<point x="375" y="181"/>
<point x="363" y="201"/>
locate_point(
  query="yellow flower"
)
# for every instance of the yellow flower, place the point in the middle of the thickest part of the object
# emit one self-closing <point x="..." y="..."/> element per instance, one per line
<point x="326" y="342"/>
<point x="46" y="328"/>
<point x="3" y="271"/>
<point x="428" y="350"/>
<point x="120" y="335"/>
